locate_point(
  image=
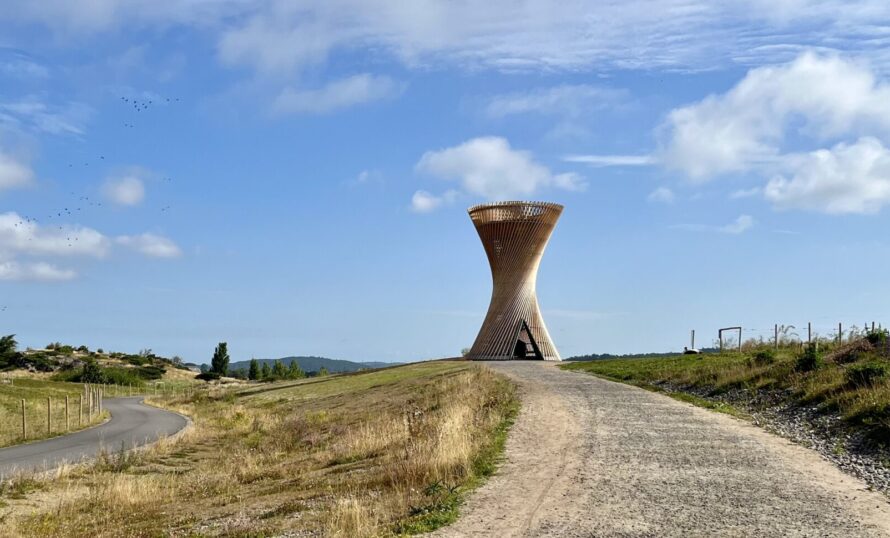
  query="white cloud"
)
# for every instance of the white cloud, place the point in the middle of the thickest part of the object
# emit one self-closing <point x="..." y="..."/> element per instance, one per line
<point x="745" y="128"/>
<point x="745" y="193"/>
<point x="424" y="202"/>
<point x="337" y="95"/>
<point x="278" y="36"/>
<point x="848" y="178"/>
<point x="150" y="244"/>
<point x="14" y="172"/>
<point x="612" y="160"/>
<point x="22" y="66"/>
<point x="489" y="167"/>
<point x="565" y="100"/>
<point x="34" y="114"/>
<point x="24" y="237"/>
<point x="128" y="190"/>
<point x="19" y="235"/>
<point x="810" y="101"/>
<point x="39" y="271"/>
<point x="662" y="195"/>
<point x="739" y="225"/>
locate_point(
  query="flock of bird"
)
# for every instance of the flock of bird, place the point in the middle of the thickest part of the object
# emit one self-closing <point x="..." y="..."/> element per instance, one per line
<point x="55" y="219"/>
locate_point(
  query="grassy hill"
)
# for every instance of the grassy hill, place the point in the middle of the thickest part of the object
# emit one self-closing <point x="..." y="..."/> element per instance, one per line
<point x="314" y="364"/>
<point x="850" y="380"/>
<point x="377" y="453"/>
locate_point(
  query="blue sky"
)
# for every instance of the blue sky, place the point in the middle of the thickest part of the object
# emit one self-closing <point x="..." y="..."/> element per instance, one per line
<point x="293" y="177"/>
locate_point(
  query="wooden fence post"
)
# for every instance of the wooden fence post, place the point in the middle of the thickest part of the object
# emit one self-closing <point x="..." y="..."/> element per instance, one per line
<point x="840" y="333"/>
<point x="67" y="423"/>
<point x="80" y="412"/>
<point x="24" y="422"/>
<point x="776" y="330"/>
<point x="49" y="424"/>
<point x="809" y="332"/>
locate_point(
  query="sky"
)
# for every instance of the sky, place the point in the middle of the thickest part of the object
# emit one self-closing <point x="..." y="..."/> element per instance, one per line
<point x="293" y="177"/>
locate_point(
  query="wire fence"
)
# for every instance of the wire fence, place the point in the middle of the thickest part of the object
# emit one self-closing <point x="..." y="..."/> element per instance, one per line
<point x="784" y="334"/>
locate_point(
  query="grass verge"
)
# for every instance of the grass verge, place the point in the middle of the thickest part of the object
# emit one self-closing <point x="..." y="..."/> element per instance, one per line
<point x="35" y="393"/>
<point x="850" y="379"/>
<point x="381" y="453"/>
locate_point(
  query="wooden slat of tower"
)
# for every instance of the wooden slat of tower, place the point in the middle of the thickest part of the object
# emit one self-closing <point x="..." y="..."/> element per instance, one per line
<point x="514" y="235"/>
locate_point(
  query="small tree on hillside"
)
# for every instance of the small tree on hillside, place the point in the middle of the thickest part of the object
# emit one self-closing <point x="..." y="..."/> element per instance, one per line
<point x="265" y="371"/>
<point x="278" y="371"/>
<point x="294" y="371"/>
<point x="322" y="371"/>
<point x="219" y="364"/>
<point x="7" y="346"/>
<point x="254" y="371"/>
<point x="92" y="373"/>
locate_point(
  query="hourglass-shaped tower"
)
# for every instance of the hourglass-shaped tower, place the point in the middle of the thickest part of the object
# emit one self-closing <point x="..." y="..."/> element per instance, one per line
<point x="514" y="235"/>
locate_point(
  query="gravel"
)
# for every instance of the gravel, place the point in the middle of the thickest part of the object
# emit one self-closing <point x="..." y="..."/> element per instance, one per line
<point x="589" y="457"/>
<point x="824" y="432"/>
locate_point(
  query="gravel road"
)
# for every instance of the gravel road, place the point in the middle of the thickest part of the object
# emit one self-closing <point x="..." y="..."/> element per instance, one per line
<point x="132" y="424"/>
<point x="589" y="457"/>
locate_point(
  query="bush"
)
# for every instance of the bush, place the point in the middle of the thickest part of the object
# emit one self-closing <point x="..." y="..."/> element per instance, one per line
<point x="866" y="374"/>
<point x="151" y="372"/>
<point x="850" y="351"/>
<point x="877" y="338"/>
<point x="809" y="360"/>
<point x="136" y="360"/>
<point x="208" y="376"/>
<point x="764" y="357"/>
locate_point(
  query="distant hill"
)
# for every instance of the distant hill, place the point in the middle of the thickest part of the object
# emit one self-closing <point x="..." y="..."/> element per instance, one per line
<point x="314" y="364"/>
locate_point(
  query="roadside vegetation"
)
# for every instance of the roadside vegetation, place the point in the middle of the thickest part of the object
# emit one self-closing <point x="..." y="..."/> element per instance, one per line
<point x="36" y="393"/>
<point x="851" y="379"/>
<point x="385" y="452"/>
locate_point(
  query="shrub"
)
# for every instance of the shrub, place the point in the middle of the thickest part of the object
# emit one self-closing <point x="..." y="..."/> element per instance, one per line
<point x="135" y="360"/>
<point x="151" y="372"/>
<point x="764" y="357"/>
<point x="208" y="376"/>
<point x="877" y="337"/>
<point x="91" y="373"/>
<point x="809" y="360"/>
<point x="850" y="352"/>
<point x="865" y="374"/>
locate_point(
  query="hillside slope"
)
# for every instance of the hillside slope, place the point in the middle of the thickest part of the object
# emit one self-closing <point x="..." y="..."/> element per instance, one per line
<point x="314" y="364"/>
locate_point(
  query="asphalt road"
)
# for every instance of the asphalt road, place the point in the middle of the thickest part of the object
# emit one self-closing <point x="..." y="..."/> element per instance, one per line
<point x="588" y="457"/>
<point x="132" y="424"/>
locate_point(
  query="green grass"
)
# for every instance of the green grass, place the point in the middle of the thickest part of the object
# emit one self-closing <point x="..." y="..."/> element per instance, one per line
<point x="35" y="393"/>
<point x="848" y="379"/>
<point x="380" y="453"/>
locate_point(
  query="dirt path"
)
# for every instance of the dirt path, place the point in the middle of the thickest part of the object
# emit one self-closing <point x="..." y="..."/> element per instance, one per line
<point x="588" y="457"/>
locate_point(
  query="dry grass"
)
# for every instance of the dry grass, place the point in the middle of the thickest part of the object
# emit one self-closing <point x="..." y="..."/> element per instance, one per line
<point x="361" y="455"/>
<point x="35" y="393"/>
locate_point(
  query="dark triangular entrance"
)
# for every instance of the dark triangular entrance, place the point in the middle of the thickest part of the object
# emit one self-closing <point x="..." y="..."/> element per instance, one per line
<point x="526" y="347"/>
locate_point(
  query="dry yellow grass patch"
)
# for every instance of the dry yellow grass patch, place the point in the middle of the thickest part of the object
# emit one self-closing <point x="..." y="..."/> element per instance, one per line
<point x="360" y="455"/>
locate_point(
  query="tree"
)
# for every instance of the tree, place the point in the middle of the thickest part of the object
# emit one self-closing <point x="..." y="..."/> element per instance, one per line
<point x="265" y="372"/>
<point x="254" y="371"/>
<point x="322" y="371"/>
<point x="294" y="371"/>
<point x="92" y="373"/>
<point x="219" y="364"/>
<point x="8" y="346"/>
<point x="278" y="371"/>
<point x="8" y="353"/>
